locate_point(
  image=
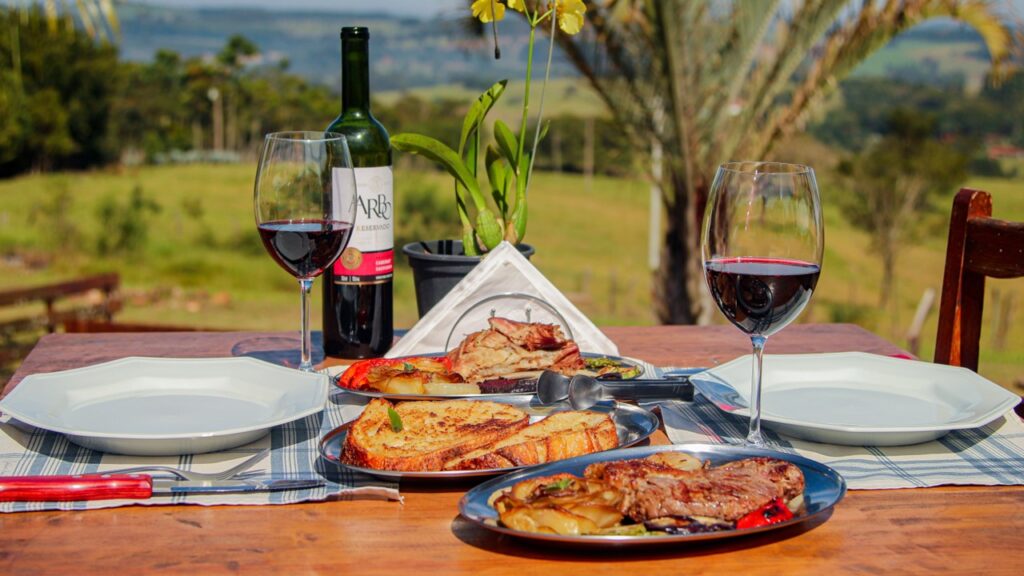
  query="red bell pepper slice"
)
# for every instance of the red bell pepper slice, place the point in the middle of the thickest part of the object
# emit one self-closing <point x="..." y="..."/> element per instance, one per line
<point x="354" y="378"/>
<point x="771" y="513"/>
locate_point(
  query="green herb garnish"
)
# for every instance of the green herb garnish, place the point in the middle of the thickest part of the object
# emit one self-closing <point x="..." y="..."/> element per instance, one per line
<point x="406" y="366"/>
<point x="558" y="486"/>
<point x="396" y="420"/>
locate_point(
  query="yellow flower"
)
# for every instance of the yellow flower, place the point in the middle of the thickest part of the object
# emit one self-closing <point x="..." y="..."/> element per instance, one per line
<point x="488" y="10"/>
<point x="517" y="5"/>
<point x="570" y="15"/>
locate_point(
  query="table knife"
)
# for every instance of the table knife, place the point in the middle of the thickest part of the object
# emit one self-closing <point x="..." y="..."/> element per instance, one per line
<point x="129" y="486"/>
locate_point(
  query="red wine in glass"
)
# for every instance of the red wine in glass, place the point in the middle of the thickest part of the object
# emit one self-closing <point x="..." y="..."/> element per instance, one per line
<point x="762" y="242"/>
<point x="761" y="295"/>
<point x="305" y="203"/>
<point x="304" y="247"/>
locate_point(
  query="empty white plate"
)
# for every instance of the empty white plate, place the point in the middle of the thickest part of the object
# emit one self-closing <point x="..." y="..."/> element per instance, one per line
<point x="165" y="406"/>
<point x="858" y="399"/>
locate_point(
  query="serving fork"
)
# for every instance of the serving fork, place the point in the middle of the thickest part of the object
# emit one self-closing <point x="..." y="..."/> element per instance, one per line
<point x="232" y="472"/>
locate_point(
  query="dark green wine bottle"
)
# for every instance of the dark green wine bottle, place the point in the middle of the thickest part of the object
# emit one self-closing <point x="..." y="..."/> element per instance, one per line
<point x="358" y="318"/>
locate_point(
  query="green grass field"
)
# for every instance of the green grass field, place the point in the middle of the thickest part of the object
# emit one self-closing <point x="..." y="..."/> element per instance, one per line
<point x="572" y="96"/>
<point x="202" y="264"/>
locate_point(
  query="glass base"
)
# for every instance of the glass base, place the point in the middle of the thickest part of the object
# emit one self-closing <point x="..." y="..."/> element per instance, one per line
<point x="281" y="350"/>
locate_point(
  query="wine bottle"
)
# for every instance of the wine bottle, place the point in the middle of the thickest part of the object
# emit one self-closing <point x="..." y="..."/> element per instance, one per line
<point x="357" y="315"/>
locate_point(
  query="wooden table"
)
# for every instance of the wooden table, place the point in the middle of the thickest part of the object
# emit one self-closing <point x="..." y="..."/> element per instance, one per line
<point x="968" y="530"/>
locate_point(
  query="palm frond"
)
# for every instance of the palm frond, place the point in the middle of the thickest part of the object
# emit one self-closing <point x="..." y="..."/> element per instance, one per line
<point x="98" y="18"/>
<point x="849" y="45"/>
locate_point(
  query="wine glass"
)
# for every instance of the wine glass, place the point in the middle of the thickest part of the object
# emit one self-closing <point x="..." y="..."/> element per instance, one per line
<point x="305" y="200"/>
<point x="762" y="242"/>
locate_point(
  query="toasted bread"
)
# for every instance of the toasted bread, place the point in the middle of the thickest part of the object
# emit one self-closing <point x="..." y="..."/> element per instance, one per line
<point x="559" y="436"/>
<point x="433" y="432"/>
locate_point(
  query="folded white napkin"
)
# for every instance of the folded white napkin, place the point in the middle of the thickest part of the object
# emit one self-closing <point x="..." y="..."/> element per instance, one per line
<point x="503" y="271"/>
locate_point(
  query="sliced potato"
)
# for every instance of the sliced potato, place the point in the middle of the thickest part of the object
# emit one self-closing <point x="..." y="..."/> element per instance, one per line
<point x="404" y="384"/>
<point x="450" y="388"/>
<point x="678" y="460"/>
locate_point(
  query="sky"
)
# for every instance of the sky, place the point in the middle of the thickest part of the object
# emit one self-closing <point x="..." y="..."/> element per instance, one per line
<point x="417" y="8"/>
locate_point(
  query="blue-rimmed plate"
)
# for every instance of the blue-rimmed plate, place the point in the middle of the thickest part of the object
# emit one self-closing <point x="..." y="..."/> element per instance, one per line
<point x="824" y="488"/>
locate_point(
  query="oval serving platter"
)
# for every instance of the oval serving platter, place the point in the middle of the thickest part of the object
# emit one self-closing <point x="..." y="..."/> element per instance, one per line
<point x="824" y="488"/>
<point x="522" y="386"/>
<point x="633" y="424"/>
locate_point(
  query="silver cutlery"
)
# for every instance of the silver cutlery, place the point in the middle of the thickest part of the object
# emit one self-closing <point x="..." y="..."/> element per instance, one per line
<point x="582" y="391"/>
<point x="194" y="476"/>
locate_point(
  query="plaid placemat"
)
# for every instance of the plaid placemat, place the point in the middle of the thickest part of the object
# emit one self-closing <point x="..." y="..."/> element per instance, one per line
<point x="992" y="455"/>
<point x="295" y="453"/>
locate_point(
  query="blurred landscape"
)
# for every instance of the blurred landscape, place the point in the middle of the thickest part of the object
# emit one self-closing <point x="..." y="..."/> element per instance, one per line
<point x="139" y="160"/>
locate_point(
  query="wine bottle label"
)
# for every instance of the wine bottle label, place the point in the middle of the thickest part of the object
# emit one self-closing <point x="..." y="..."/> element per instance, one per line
<point x="369" y="257"/>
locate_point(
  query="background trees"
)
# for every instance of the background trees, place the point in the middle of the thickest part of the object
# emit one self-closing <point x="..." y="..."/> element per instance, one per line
<point x="56" y="95"/>
<point x="891" y="182"/>
<point x="712" y="82"/>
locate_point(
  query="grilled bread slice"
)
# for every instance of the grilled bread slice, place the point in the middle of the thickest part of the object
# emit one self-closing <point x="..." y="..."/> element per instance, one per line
<point x="559" y="436"/>
<point x="433" y="432"/>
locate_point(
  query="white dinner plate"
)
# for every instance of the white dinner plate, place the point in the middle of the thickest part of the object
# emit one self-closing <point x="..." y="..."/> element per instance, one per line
<point x="858" y="399"/>
<point x="166" y="406"/>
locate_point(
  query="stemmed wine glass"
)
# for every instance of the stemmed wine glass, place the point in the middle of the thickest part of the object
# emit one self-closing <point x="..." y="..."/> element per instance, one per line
<point x="305" y="200"/>
<point x="762" y="244"/>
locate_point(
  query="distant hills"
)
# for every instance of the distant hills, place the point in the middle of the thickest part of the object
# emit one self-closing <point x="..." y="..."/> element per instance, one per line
<point x="410" y="53"/>
<point x="406" y="52"/>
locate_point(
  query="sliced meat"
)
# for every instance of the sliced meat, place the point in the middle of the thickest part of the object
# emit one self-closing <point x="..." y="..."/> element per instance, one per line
<point x="529" y="336"/>
<point x="508" y="347"/>
<point x="729" y="492"/>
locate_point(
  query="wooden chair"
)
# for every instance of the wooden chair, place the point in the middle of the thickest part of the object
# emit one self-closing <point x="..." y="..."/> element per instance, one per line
<point x="979" y="246"/>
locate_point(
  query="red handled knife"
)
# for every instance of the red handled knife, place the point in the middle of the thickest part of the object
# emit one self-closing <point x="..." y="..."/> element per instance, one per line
<point x="129" y="486"/>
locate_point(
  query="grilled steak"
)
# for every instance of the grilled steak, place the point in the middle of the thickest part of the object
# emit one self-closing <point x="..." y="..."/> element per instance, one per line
<point x="508" y="347"/>
<point x="729" y="492"/>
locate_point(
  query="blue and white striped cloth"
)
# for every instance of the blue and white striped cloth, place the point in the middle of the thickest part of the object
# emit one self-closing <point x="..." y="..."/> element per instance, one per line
<point x="992" y="455"/>
<point x="295" y="453"/>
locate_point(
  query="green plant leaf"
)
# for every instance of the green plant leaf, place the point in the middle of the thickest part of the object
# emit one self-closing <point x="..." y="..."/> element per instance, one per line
<point x="507" y="142"/>
<point x="543" y="130"/>
<point x="500" y="178"/>
<point x="516" y="229"/>
<point x="488" y="229"/>
<point x="437" y="151"/>
<point x="469" y="242"/>
<point x="478" y="111"/>
<point x="468" y="238"/>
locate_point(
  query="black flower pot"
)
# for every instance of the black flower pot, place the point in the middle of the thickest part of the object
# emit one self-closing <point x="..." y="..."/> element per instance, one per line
<point x="439" y="265"/>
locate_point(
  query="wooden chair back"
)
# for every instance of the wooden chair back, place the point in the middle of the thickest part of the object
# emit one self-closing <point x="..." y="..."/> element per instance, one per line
<point x="979" y="246"/>
<point x="51" y="294"/>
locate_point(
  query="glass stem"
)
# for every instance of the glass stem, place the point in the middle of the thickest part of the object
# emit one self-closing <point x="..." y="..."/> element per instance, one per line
<point x="306" y="363"/>
<point x="754" y="435"/>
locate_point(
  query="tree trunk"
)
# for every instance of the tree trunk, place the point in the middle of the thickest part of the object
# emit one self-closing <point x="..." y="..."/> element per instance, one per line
<point x="679" y="283"/>
<point x="888" y="273"/>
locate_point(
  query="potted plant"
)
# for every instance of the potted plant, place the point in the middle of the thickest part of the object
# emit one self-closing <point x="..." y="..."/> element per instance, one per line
<point x="496" y="210"/>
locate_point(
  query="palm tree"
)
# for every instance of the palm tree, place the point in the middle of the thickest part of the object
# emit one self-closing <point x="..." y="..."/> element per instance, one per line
<point x="716" y="81"/>
<point x="97" y="17"/>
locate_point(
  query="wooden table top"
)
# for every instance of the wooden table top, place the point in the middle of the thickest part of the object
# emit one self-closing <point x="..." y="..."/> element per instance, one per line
<point x="947" y="529"/>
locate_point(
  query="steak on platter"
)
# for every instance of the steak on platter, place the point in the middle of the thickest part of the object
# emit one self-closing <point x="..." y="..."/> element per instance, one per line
<point x="728" y="492"/>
